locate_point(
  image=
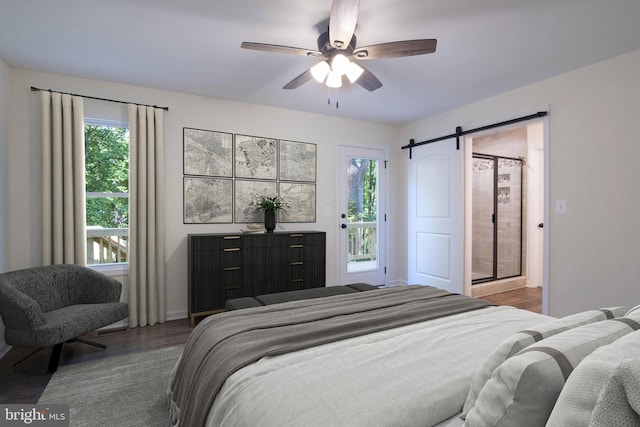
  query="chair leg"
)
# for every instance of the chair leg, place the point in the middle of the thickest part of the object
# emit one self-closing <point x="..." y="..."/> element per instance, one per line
<point x="26" y="357"/>
<point x="93" y="343"/>
<point x="57" y="351"/>
<point x="54" y="360"/>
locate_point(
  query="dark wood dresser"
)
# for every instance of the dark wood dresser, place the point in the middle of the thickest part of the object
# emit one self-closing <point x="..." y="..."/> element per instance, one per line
<point x="226" y="266"/>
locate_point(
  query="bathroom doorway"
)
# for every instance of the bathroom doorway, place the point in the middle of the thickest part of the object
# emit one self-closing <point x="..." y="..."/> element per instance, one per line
<point x="504" y="210"/>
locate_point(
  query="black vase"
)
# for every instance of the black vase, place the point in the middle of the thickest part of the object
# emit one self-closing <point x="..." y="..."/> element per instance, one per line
<point x="270" y="220"/>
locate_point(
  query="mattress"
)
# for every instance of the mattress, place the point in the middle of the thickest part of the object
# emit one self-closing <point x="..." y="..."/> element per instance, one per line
<point x="412" y="375"/>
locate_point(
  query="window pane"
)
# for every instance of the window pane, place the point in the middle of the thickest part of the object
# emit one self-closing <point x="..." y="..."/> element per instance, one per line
<point x="108" y="212"/>
<point x="107" y="188"/>
<point x="107" y="159"/>
<point x="362" y="219"/>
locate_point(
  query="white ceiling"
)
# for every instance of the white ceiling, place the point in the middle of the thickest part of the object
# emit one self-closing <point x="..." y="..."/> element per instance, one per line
<point x="485" y="47"/>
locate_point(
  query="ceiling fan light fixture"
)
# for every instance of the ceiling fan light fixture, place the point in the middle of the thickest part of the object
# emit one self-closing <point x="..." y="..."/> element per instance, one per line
<point x="320" y="71"/>
<point x="354" y="71"/>
<point x="334" y="80"/>
<point x="340" y="64"/>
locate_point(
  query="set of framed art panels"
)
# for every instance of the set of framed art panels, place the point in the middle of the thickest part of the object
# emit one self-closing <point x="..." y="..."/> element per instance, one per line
<point x="224" y="173"/>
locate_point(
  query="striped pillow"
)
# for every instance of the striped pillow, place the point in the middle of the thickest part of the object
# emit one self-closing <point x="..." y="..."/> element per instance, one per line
<point x="523" y="390"/>
<point x="522" y="339"/>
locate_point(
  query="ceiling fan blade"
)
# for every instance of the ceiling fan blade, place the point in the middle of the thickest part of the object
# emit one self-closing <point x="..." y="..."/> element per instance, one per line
<point x="342" y="22"/>
<point x="396" y="49"/>
<point x="368" y="81"/>
<point x="280" y="49"/>
<point x="299" y="81"/>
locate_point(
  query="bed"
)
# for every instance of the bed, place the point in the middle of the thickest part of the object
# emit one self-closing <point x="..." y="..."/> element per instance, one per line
<point x="408" y="356"/>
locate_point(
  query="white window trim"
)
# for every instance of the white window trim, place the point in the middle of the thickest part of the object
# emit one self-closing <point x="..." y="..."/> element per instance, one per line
<point x="106" y="123"/>
<point x="111" y="270"/>
<point x="120" y="268"/>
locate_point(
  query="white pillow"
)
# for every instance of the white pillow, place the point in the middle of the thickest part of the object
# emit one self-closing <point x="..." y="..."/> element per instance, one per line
<point x="522" y="339"/>
<point x="523" y="390"/>
<point x="578" y="398"/>
<point x="632" y="310"/>
<point x="619" y="401"/>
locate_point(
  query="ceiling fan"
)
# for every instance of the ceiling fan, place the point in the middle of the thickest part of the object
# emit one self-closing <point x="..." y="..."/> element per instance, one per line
<point x="338" y="45"/>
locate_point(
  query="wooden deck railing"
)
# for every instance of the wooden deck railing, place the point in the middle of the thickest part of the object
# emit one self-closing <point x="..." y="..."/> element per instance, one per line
<point x="362" y="241"/>
<point x="107" y="245"/>
<point x="111" y="245"/>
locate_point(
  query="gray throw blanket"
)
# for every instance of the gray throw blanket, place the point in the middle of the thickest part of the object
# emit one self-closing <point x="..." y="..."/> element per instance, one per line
<point x="222" y="344"/>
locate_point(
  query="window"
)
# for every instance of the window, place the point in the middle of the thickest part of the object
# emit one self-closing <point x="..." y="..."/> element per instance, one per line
<point x="107" y="191"/>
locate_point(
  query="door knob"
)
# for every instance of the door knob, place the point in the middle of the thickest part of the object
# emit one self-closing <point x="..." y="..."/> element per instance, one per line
<point x="541" y="225"/>
<point x="343" y="226"/>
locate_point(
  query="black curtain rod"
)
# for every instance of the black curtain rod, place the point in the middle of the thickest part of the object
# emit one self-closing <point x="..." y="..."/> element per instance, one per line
<point x="34" y="89"/>
<point x="459" y="132"/>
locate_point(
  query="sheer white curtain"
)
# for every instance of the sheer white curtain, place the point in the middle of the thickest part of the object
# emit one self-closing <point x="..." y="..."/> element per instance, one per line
<point x="146" y="217"/>
<point x="63" y="183"/>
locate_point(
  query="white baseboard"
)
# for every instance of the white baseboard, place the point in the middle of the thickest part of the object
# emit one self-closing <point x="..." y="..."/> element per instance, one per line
<point x="177" y="314"/>
<point x="174" y="315"/>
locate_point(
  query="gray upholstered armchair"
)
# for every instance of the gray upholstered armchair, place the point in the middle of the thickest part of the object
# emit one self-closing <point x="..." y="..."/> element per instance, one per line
<point x="51" y="305"/>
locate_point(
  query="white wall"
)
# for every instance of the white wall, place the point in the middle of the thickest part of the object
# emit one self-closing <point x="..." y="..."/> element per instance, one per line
<point x="594" y="152"/>
<point x="327" y="132"/>
<point x="594" y="165"/>
<point x="4" y="105"/>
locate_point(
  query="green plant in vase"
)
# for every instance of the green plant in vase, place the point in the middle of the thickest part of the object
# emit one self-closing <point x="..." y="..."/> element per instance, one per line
<point x="270" y="205"/>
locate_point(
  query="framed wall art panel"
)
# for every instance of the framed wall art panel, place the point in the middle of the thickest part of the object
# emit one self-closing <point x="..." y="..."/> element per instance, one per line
<point x="297" y="161"/>
<point x="246" y="192"/>
<point x="208" y="153"/>
<point x="256" y="157"/>
<point x="302" y="200"/>
<point x="208" y="200"/>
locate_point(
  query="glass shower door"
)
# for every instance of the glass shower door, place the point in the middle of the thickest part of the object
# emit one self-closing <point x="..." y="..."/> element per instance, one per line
<point x="509" y="218"/>
<point x="483" y="207"/>
<point x="496" y="218"/>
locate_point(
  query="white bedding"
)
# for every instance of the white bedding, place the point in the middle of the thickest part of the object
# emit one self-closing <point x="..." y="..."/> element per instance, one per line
<point x="417" y="375"/>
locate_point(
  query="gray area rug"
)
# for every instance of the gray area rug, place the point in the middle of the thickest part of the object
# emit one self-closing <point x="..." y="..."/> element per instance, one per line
<point x="129" y="390"/>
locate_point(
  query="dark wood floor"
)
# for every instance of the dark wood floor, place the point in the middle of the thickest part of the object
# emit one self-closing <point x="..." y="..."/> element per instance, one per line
<point x="26" y="382"/>
<point x="525" y="298"/>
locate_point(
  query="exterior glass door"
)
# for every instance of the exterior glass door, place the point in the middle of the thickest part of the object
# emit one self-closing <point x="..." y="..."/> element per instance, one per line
<point x="361" y="221"/>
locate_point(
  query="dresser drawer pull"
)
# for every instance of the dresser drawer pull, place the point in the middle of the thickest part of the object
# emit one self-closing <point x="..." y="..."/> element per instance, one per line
<point x="297" y="280"/>
<point x="296" y="246"/>
<point x="231" y="237"/>
<point x="231" y="268"/>
<point x="296" y="235"/>
<point x="232" y="249"/>
<point x="296" y="263"/>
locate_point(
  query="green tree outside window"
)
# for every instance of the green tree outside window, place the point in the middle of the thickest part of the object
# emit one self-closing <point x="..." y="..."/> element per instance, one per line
<point x="107" y="176"/>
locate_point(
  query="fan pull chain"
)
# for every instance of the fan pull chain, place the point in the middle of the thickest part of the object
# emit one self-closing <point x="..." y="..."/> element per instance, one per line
<point x="329" y="99"/>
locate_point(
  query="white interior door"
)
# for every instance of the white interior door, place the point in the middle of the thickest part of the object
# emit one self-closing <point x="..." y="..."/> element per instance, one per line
<point x="536" y="217"/>
<point x="435" y="216"/>
<point x="362" y="234"/>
